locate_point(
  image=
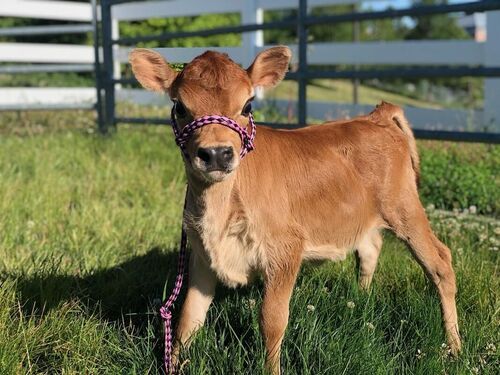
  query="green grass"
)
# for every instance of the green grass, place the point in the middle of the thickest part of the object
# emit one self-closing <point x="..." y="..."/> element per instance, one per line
<point x="341" y="91"/>
<point x="89" y="231"/>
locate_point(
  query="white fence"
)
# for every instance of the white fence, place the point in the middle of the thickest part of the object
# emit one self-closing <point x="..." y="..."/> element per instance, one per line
<point x="51" y="56"/>
<point x="425" y="53"/>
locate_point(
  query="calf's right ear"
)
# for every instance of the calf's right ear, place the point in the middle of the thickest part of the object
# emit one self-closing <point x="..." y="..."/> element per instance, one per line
<point x="151" y="70"/>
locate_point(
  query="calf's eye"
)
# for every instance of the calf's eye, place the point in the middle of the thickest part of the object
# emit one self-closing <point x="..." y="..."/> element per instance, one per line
<point x="180" y="110"/>
<point x="247" y="109"/>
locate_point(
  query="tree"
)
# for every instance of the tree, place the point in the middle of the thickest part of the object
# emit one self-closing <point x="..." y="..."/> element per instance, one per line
<point x="439" y="26"/>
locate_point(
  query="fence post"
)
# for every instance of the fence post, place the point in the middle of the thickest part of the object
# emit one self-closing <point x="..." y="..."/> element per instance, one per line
<point x="108" y="75"/>
<point x="97" y="66"/>
<point x="302" y="68"/>
<point x="115" y="34"/>
<point x="492" y="85"/>
<point x="251" y="41"/>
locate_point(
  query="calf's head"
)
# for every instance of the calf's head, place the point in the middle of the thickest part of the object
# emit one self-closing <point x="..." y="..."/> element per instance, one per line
<point x="211" y="84"/>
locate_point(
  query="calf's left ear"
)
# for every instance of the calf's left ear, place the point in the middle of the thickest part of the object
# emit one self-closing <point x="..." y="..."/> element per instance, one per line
<point x="270" y="66"/>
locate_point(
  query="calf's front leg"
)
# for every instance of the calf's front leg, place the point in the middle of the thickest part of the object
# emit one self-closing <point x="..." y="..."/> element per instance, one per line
<point x="201" y="291"/>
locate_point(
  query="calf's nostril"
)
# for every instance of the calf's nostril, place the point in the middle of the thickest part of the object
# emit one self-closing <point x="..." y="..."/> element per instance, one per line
<point x="226" y="154"/>
<point x="205" y="154"/>
<point x="215" y="158"/>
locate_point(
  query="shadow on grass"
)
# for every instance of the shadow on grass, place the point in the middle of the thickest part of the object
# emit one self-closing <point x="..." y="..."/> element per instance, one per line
<point x="132" y="288"/>
<point x="128" y="294"/>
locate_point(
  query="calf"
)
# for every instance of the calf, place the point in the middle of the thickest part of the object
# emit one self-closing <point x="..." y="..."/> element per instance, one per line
<point x="319" y="192"/>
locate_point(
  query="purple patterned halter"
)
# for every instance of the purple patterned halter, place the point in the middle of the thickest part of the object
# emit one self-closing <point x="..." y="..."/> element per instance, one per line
<point x="181" y="137"/>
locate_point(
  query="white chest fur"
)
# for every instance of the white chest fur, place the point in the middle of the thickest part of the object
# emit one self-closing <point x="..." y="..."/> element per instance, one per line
<point x="228" y="242"/>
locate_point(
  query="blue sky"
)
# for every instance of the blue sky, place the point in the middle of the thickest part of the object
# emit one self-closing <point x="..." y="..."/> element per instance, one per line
<point x="382" y="4"/>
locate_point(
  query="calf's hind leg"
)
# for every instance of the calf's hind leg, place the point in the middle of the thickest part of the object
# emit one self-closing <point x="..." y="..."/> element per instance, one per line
<point x="411" y="224"/>
<point x="367" y="253"/>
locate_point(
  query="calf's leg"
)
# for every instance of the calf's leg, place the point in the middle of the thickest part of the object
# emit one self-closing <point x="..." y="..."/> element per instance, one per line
<point x="279" y="284"/>
<point x="411" y="223"/>
<point x="201" y="290"/>
<point x="367" y="253"/>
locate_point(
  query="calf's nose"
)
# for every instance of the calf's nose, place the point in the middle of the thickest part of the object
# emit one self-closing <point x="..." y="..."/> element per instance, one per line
<point x="215" y="158"/>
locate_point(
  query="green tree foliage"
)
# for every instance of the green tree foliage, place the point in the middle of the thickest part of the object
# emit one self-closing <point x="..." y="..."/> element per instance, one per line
<point x="443" y="26"/>
<point x="165" y="25"/>
<point x="440" y="26"/>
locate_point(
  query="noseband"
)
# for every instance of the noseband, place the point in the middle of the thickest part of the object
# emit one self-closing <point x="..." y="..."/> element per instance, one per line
<point x="182" y="136"/>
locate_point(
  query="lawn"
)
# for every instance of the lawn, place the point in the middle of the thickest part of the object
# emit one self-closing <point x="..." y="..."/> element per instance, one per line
<point x="89" y="232"/>
<point x="341" y="91"/>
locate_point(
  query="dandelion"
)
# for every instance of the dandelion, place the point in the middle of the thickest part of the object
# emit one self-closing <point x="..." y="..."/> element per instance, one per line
<point x="351" y="305"/>
<point x="311" y="308"/>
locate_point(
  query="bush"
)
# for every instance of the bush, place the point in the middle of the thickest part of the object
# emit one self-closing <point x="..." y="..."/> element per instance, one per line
<point x="457" y="175"/>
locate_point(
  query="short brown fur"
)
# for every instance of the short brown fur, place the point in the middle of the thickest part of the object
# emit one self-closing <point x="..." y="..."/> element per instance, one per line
<point x="319" y="192"/>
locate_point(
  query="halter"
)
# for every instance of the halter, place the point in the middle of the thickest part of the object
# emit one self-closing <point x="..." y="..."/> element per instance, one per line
<point x="182" y="137"/>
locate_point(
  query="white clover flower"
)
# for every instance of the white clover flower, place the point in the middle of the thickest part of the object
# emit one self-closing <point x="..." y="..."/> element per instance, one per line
<point x="420" y="354"/>
<point x="491" y="348"/>
<point x="351" y="305"/>
<point x="370" y="326"/>
<point x="251" y="303"/>
<point x="311" y="308"/>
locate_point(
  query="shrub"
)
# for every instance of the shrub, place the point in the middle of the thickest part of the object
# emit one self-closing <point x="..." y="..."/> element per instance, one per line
<point x="457" y="175"/>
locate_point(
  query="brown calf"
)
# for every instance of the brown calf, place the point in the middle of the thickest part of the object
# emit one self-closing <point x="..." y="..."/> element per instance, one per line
<point x="315" y="193"/>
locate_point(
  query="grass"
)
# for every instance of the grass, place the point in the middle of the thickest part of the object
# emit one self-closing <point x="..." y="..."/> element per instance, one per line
<point x="89" y="232"/>
<point x="341" y="91"/>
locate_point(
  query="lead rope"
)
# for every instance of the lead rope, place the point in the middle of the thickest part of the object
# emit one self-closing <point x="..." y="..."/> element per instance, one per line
<point x="165" y="310"/>
<point x="181" y="137"/>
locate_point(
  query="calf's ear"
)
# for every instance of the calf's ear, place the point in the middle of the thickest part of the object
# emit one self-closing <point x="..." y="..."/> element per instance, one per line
<point x="270" y="66"/>
<point x="151" y="70"/>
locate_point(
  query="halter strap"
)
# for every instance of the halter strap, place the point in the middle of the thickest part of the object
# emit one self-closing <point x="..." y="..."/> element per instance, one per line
<point x="182" y="137"/>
